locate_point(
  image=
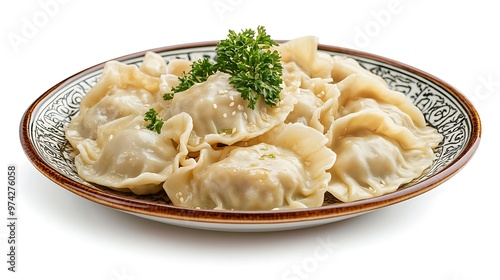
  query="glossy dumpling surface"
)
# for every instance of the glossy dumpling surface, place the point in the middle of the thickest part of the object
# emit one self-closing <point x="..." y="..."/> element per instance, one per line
<point x="221" y="116"/>
<point x="123" y="90"/>
<point x="279" y="172"/>
<point x="375" y="156"/>
<point x="128" y="157"/>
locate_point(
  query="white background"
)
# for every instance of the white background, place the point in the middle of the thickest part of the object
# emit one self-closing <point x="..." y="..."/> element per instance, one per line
<point x="449" y="233"/>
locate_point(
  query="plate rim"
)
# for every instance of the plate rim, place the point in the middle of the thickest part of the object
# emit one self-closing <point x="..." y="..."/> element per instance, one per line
<point x="228" y="217"/>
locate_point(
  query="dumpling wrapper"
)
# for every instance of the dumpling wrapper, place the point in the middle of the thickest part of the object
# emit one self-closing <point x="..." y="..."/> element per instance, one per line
<point x="375" y="156"/>
<point x="221" y="116"/>
<point x="359" y="92"/>
<point x="285" y="169"/>
<point x="135" y="159"/>
<point x="304" y="52"/>
<point x="316" y="98"/>
<point x="123" y="90"/>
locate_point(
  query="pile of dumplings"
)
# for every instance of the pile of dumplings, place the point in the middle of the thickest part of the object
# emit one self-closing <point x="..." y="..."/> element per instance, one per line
<point x="338" y="128"/>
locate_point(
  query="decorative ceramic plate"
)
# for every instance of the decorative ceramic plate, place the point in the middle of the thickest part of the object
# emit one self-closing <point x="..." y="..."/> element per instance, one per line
<point x="43" y="140"/>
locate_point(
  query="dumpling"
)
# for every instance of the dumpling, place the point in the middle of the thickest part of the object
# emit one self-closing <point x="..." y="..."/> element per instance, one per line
<point x="135" y="158"/>
<point x="285" y="169"/>
<point x="343" y="67"/>
<point x="118" y="74"/>
<point x="304" y="52"/>
<point x="123" y="90"/>
<point x="304" y="109"/>
<point x="175" y="69"/>
<point x="153" y="64"/>
<point x="221" y="116"/>
<point x="178" y="67"/>
<point x="316" y="98"/>
<point x="259" y="177"/>
<point x="118" y="103"/>
<point x="358" y="92"/>
<point x="90" y="149"/>
<point x="375" y="156"/>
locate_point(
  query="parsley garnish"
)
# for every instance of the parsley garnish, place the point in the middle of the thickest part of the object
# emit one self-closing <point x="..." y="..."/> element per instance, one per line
<point x="225" y="131"/>
<point x="264" y="156"/>
<point x="200" y="71"/>
<point x="255" y="70"/>
<point x="156" y="123"/>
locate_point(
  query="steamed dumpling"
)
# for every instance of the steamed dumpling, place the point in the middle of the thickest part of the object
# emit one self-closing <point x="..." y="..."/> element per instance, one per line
<point x="304" y="52"/>
<point x="360" y="92"/>
<point x="260" y="177"/>
<point x="343" y="67"/>
<point x="117" y="74"/>
<point x="221" y="116"/>
<point x="135" y="159"/>
<point x="123" y="90"/>
<point x="153" y="64"/>
<point x="316" y="98"/>
<point x="375" y="156"/>
<point x="281" y="171"/>
<point x="381" y="138"/>
<point x="118" y="103"/>
<point x="128" y="157"/>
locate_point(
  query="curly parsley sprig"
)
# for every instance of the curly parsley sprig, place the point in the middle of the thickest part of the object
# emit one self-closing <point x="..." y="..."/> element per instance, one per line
<point x="255" y="70"/>
<point x="156" y="123"/>
<point x="200" y="71"/>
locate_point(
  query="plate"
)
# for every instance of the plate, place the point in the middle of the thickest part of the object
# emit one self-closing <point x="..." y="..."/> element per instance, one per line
<point x="445" y="108"/>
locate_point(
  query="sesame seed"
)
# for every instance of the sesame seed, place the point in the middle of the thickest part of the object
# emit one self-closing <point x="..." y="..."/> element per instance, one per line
<point x="234" y="130"/>
<point x="245" y="115"/>
<point x="215" y="106"/>
<point x="240" y="107"/>
<point x="231" y="104"/>
<point x="231" y="97"/>
<point x="263" y="116"/>
<point x="224" y="115"/>
<point x="233" y="113"/>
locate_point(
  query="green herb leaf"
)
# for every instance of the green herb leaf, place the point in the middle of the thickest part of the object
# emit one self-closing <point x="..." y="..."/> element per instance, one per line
<point x="264" y="156"/>
<point x="168" y="96"/>
<point x="225" y="131"/>
<point x="200" y="71"/>
<point x="156" y="123"/>
<point x="255" y="70"/>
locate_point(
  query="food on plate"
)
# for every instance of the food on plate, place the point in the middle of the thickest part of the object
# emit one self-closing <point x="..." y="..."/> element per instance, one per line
<point x="263" y="126"/>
